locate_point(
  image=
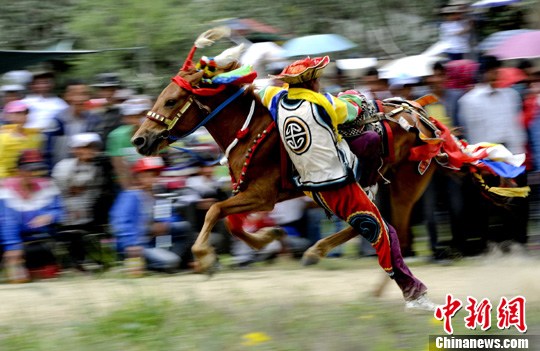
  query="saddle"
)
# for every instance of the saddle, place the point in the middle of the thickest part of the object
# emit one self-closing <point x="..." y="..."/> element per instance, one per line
<point x="374" y="117"/>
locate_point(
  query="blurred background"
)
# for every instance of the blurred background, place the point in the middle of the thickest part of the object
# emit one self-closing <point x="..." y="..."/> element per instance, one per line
<point x="77" y="78"/>
<point x="145" y="41"/>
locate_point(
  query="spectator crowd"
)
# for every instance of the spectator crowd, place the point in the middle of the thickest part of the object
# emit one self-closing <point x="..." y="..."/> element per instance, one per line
<point x="71" y="178"/>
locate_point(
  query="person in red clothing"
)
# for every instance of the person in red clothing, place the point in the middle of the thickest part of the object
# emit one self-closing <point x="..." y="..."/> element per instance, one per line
<point x="530" y="119"/>
<point x="327" y="169"/>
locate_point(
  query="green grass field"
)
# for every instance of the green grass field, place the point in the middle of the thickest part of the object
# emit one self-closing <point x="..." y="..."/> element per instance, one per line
<point x="189" y="312"/>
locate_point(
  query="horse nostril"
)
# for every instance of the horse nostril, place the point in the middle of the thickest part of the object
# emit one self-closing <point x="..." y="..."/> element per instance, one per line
<point x="139" y="141"/>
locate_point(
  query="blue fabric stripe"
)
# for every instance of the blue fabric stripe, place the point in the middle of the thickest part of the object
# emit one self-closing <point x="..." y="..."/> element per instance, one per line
<point x="503" y="169"/>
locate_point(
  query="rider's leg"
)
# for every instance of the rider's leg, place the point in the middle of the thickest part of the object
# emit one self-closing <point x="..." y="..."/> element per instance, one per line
<point x="367" y="148"/>
<point x="351" y="204"/>
<point x="411" y="286"/>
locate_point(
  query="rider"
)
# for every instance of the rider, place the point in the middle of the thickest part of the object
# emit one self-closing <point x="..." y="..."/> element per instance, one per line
<point x="326" y="168"/>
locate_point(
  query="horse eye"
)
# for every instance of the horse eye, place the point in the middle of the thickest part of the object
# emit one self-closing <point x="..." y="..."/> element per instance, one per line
<point x="170" y="103"/>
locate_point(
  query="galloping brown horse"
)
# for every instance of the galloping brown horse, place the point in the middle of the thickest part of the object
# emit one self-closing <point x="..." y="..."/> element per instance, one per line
<point x="243" y="127"/>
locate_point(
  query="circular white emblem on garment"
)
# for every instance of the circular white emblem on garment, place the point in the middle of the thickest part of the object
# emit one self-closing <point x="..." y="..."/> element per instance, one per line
<point x="297" y="135"/>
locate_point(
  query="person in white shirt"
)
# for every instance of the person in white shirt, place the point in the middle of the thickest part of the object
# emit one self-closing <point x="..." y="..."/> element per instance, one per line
<point x="44" y="106"/>
<point x="490" y="114"/>
<point x="454" y="32"/>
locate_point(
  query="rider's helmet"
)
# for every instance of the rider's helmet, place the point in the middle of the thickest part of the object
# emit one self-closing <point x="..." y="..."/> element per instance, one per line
<point x="304" y="70"/>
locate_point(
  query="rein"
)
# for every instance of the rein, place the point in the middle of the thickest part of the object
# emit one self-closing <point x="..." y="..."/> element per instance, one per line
<point x="240" y="134"/>
<point x="213" y="113"/>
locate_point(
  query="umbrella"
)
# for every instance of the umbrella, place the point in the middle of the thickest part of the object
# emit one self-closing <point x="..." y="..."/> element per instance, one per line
<point x="493" y="3"/>
<point x="496" y="38"/>
<point x="521" y="46"/>
<point x="316" y="44"/>
<point x="437" y="48"/>
<point x="410" y="66"/>
<point x="356" y="67"/>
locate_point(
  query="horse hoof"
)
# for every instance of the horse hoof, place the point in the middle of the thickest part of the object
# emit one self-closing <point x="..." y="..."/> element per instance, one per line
<point x="310" y="260"/>
<point x="205" y="258"/>
<point x="206" y="263"/>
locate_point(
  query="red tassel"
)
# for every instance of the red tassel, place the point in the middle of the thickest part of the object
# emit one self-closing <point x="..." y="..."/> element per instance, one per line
<point x="189" y="60"/>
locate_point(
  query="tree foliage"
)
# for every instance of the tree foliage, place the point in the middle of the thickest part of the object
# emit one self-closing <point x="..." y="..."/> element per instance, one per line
<point x="33" y="24"/>
<point x="165" y="29"/>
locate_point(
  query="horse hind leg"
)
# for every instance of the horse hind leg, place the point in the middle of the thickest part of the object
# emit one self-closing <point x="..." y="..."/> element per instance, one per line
<point x="406" y="189"/>
<point x="322" y="247"/>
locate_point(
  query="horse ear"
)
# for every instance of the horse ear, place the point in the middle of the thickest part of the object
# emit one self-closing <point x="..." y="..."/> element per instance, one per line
<point x="195" y="77"/>
<point x="229" y="56"/>
<point x="191" y="75"/>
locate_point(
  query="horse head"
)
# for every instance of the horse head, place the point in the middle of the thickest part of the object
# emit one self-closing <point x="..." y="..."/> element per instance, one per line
<point x="173" y="103"/>
<point x="189" y="99"/>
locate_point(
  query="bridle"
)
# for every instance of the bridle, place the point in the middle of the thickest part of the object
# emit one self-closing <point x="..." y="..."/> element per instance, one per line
<point x="170" y="123"/>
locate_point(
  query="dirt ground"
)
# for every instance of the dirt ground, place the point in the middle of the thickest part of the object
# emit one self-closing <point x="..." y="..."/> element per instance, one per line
<point x="68" y="298"/>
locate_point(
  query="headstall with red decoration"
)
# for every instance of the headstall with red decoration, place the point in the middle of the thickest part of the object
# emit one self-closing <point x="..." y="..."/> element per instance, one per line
<point x="169" y="123"/>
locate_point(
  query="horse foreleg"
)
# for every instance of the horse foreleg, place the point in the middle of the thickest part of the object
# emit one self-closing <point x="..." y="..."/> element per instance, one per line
<point x="202" y="250"/>
<point x="243" y="202"/>
<point x="322" y="247"/>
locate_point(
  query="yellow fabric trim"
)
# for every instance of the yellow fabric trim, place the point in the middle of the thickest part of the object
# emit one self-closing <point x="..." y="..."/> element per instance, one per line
<point x="268" y="94"/>
<point x="511" y="192"/>
<point x="338" y="114"/>
<point x="506" y="192"/>
<point x="485" y="144"/>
